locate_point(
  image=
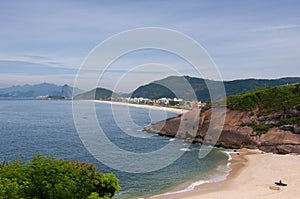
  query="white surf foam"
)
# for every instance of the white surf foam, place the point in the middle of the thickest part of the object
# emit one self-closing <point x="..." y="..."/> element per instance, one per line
<point x="215" y="179"/>
<point x="185" y="149"/>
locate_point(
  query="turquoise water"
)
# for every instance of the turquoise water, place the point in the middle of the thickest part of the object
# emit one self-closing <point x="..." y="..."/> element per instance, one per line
<point x="30" y="126"/>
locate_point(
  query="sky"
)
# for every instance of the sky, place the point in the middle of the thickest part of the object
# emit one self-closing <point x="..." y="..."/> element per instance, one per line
<point x="48" y="41"/>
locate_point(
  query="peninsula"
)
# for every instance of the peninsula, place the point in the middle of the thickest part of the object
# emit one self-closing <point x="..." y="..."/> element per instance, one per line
<point x="267" y="119"/>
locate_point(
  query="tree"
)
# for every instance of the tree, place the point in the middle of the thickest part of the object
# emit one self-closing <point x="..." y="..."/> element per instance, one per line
<point x="50" y="178"/>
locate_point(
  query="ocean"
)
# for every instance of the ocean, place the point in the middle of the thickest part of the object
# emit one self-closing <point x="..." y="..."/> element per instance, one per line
<point x="47" y="126"/>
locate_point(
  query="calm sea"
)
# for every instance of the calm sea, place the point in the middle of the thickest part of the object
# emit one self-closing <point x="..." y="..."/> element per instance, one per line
<point x="30" y="126"/>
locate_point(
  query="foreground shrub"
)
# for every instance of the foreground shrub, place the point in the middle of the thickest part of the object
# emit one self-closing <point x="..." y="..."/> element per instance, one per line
<point x="49" y="178"/>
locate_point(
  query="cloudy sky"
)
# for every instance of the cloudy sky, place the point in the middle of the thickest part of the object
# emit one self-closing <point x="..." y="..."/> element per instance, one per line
<point x="47" y="41"/>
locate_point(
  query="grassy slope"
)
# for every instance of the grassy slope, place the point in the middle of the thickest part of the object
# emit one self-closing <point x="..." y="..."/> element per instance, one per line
<point x="268" y="101"/>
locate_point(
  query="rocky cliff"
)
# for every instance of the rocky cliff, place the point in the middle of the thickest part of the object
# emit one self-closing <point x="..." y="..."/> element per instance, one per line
<point x="266" y="126"/>
<point x="234" y="133"/>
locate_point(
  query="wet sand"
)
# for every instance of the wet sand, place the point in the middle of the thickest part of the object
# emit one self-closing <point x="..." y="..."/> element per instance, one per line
<point x="253" y="176"/>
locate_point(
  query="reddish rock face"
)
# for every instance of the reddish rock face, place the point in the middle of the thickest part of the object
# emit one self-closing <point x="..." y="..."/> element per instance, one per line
<point x="279" y="141"/>
<point x="233" y="132"/>
<point x="182" y="126"/>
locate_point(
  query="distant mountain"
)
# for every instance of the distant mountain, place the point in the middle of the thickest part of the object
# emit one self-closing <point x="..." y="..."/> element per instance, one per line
<point x="122" y="94"/>
<point x="186" y="87"/>
<point x="44" y="89"/>
<point x="96" y="94"/>
<point x="154" y="91"/>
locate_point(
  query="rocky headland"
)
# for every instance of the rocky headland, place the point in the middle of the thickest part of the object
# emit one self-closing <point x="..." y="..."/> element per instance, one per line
<point x="266" y="119"/>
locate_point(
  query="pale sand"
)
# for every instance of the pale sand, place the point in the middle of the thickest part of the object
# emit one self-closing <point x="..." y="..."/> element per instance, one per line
<point x="168" y="109"/>
<point x="252" y="176"/>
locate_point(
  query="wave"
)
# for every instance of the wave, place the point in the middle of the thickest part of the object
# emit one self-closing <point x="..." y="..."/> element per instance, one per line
<point x="214" y="179"/>
<point x="192" y="186"/>
<point x="228" y="154"/>
<point x="185" y="149"/>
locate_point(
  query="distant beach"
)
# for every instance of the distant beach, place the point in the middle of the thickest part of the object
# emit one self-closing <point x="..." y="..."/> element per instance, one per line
<point x="174" y="110"/>
<point x="253" y="176"/>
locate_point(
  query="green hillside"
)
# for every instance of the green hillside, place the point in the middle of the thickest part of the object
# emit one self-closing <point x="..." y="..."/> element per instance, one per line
<point x="96" y="94"/>
<point x="267" y="100"/>
<point x="154" y="91"/>
<point x="269" y="107"/>
<point x="186" y="87"/>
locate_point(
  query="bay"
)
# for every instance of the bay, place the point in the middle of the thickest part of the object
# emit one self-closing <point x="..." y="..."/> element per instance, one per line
<point x="46" y="126"/>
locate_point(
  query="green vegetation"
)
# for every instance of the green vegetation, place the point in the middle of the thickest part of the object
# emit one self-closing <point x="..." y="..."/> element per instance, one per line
<point x="277" y="101"/>
<point x="56" y="97"/>
<point x="188" y="88"/>
<point x="267" y="100"/>
<point x="51" y="178"/>
<point x="96" y="94"/>
<point x="243" y="102"/>
<point x="178" y="85"/>
<point x="224" y="146"/>
<point x="261" y="129"/>
<point x="291" y="121"/>
<point x="153" y="91"/>
<point x="206" y="107"/>
<point x="174" y="103"/>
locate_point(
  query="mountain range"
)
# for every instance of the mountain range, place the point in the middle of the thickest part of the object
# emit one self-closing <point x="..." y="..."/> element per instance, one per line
<point x="184" y="87"/>
<point x="43" y="89"/>
<point x="190" y="88"/>
<point x="96" y="94"/>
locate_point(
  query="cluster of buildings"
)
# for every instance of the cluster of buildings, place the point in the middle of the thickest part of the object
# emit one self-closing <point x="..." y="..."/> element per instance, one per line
<point x="47" y="97"/>
<point x="180" y="103"/>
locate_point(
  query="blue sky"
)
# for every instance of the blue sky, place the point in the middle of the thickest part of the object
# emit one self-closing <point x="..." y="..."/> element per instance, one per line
<point x="46" y="41"/>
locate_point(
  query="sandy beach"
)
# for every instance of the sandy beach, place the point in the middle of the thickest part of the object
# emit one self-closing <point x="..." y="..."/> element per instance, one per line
<point x="174" y="110"/>
<point x="253" y="175"/>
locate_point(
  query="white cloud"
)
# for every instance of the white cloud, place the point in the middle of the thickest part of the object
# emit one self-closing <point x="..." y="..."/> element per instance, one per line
<point x="43" y="60"/>
<point x="274" y="28"/>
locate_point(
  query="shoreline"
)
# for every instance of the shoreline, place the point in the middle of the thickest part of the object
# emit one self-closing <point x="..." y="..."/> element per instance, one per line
<point x="252" y="175"/>
<point x="236" y="161"/>
<point x="169" y="109"/>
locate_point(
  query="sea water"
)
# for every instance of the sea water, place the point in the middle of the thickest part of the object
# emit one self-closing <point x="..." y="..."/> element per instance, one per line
<point x="46" y="126"/>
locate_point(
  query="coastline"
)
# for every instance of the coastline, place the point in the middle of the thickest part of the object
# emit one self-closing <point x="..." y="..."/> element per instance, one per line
<point x="252" y="175"/>
<point x="169" y="109"/>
